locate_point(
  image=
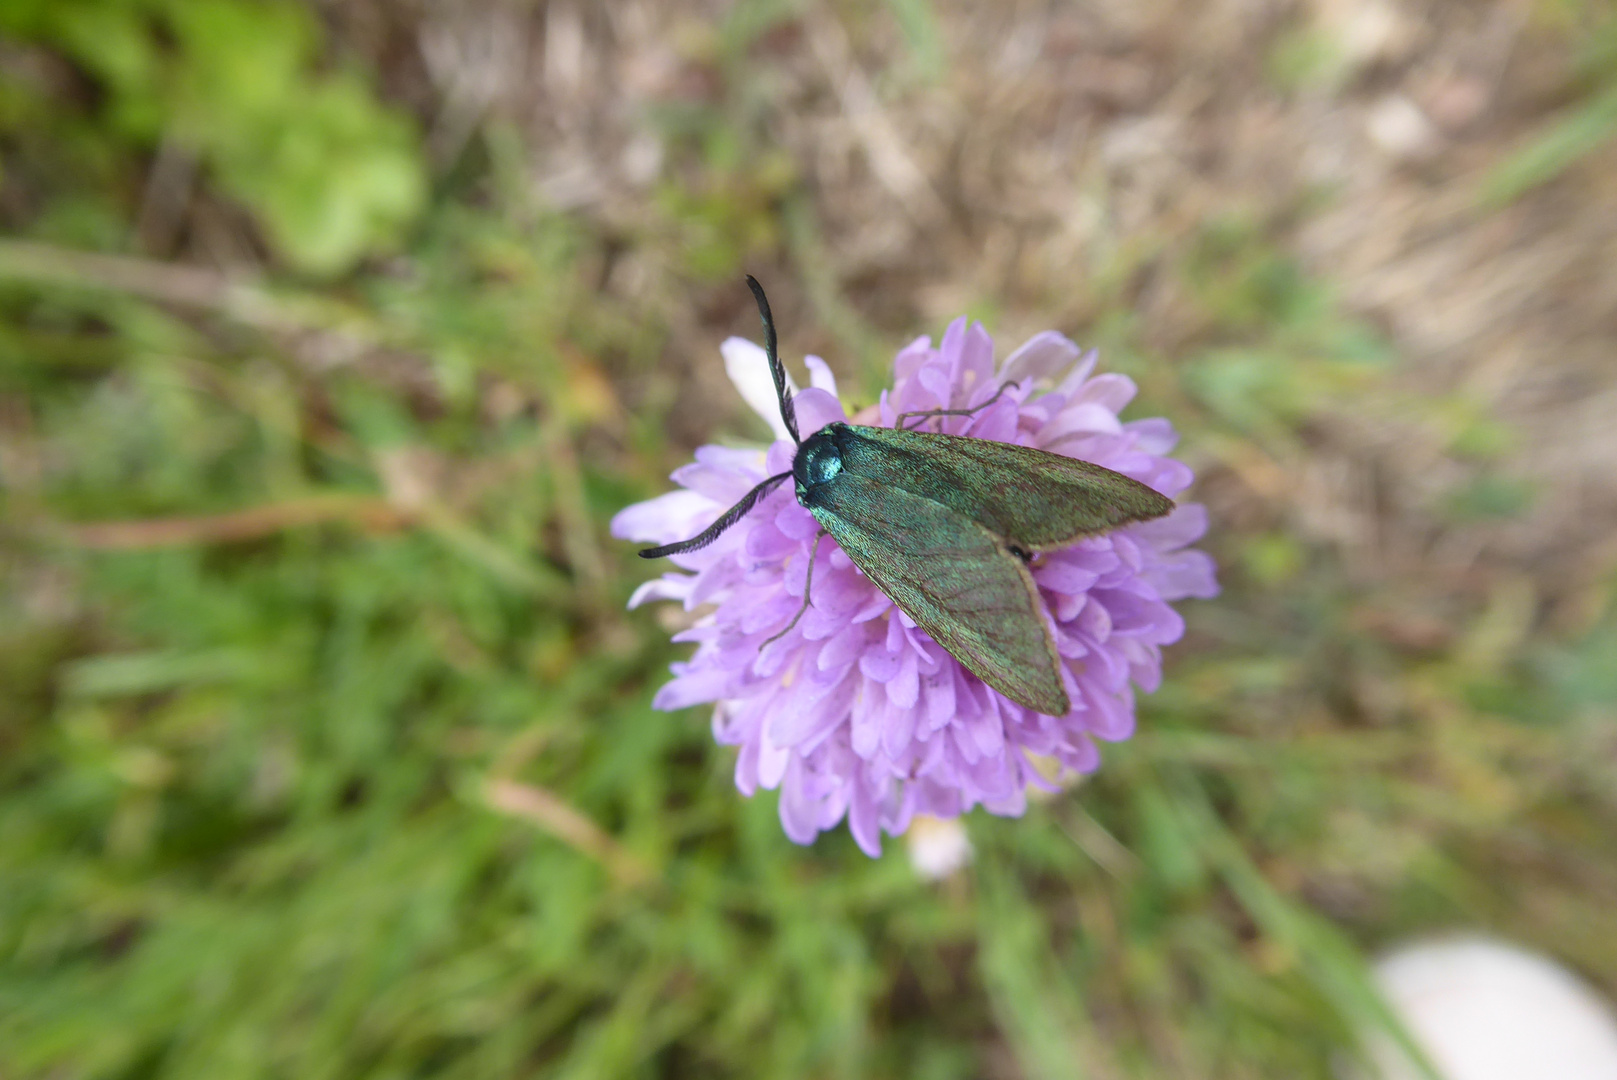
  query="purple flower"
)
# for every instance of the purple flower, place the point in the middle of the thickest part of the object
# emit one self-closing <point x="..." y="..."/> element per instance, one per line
<point x="856" y="712"/>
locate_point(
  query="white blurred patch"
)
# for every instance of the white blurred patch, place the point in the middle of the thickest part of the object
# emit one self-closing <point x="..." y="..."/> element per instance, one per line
<point x="411" y="475"/>
<point x="1483" y="1010"/>
<point x="1367" y="31"/>
<point x="1397" y="125"/>
<point x="642" y="159"/>
<point x="938" y="846"/>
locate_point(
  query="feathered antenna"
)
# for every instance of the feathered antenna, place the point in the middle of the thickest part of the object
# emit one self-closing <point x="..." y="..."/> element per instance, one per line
<point x="777" y="370"/>
<point x="788" y="414"/>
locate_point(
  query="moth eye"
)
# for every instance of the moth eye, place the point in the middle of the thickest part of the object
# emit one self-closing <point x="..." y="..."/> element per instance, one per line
<point x="823" y="466"/>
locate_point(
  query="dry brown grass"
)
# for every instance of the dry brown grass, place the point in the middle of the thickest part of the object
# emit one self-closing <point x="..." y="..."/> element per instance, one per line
<point x="1059" y="162"/>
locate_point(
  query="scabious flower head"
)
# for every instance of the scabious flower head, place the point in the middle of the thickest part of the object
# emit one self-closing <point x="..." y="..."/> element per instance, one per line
<point x="856" y="712"/>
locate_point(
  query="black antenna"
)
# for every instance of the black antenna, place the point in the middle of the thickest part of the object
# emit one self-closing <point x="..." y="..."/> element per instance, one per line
<point x="787" y="413"/>
<point x="777" y="370"/>
<point x="731" y="516"/>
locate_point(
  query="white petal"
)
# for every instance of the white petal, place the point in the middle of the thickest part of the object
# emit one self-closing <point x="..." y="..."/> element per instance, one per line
<point x="1186" y="524"/>
<point x="1111" y="390"/>
<point x="1042" y="355"/>
<point x="748" y="367"/>
<point x="772" y="761"/>
<point x="667" y="587"/>
<point x="1075" y="378"/>
<point x="820" y="376"/>
<point x="663" y="519"/>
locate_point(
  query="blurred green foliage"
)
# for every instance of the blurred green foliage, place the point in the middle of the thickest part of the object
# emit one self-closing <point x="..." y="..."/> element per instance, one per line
<point x="257" y="771"/>
<point x="1587" y="124"/>
<point x="331" y="173"/>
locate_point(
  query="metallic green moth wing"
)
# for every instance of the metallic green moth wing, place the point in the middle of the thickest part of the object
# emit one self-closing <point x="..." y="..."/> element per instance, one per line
<point x="1029" y="499"/>
<point x="974" y="597"/>
<point x="942" y="524"/>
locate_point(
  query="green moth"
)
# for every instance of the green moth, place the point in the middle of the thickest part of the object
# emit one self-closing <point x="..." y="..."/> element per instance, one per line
<point x="946" y="526"/>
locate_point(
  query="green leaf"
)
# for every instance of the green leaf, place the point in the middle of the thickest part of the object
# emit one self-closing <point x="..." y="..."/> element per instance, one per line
<point x="1548" y="155"/>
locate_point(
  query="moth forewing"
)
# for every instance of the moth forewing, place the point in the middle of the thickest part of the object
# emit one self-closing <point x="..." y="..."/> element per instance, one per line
<point x="959" y="582"/>
<point x="1031" y="499"/>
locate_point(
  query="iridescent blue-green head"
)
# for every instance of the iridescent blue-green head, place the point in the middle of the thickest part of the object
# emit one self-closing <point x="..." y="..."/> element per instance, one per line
<point x="818" y="461"/>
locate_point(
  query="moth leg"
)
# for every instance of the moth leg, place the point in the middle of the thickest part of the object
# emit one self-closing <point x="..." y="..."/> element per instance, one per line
<point x="925" y="414"/>
<point x="808" y="580"/>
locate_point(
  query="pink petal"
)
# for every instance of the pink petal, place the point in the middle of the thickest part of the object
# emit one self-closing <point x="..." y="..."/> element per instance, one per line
<point x="748" y="367"/>
<point x="1084" y="418"/>
<point x="1082" y="756"/>
<point x="935" y="380"/>
<point x="988" y="732"/>
<point x="976" y="372"/>
<point x="1183" y="574"/>
<point x="746" y="772"/>
<point x="815" y="409"/>
<point x="1040" y="357"/>
<point x="820" y="376"/>
<point x="904" y="688"/>
<point x="664" y="519"/>
<point x="692" y="689"/>
<point x="1063" y="576"/>
<point x="764" y="541"/>
<point x="899" y="728"/>
<point x="772" y="761"/>
<point x="1111" y="391"/>
<point x="943" y="699"/>
<point x="1185" y="524"/>
<point x="844" y="649"/>
<point x="799" y="813"/>
<point x="724" y="487"/>
<point x="910" y="358"/>
<point x="1154" y="435"/>
<point x="866" y="718"/>
<point x="747" y="460"/>
<point x="879" y="664"/>
<point x="863" y="822"/>
<point x="796" y="522"/>
<point x="874" y="607"/>
<point x="1078" y="375"/>
<point x="667" y="587"/>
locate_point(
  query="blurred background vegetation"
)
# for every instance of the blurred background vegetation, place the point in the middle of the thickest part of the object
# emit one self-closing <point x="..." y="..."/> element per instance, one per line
<point x="332" y="334"/>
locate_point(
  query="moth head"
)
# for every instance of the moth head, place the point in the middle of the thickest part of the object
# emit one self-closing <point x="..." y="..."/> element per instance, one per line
<point x="818" y="461"/>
